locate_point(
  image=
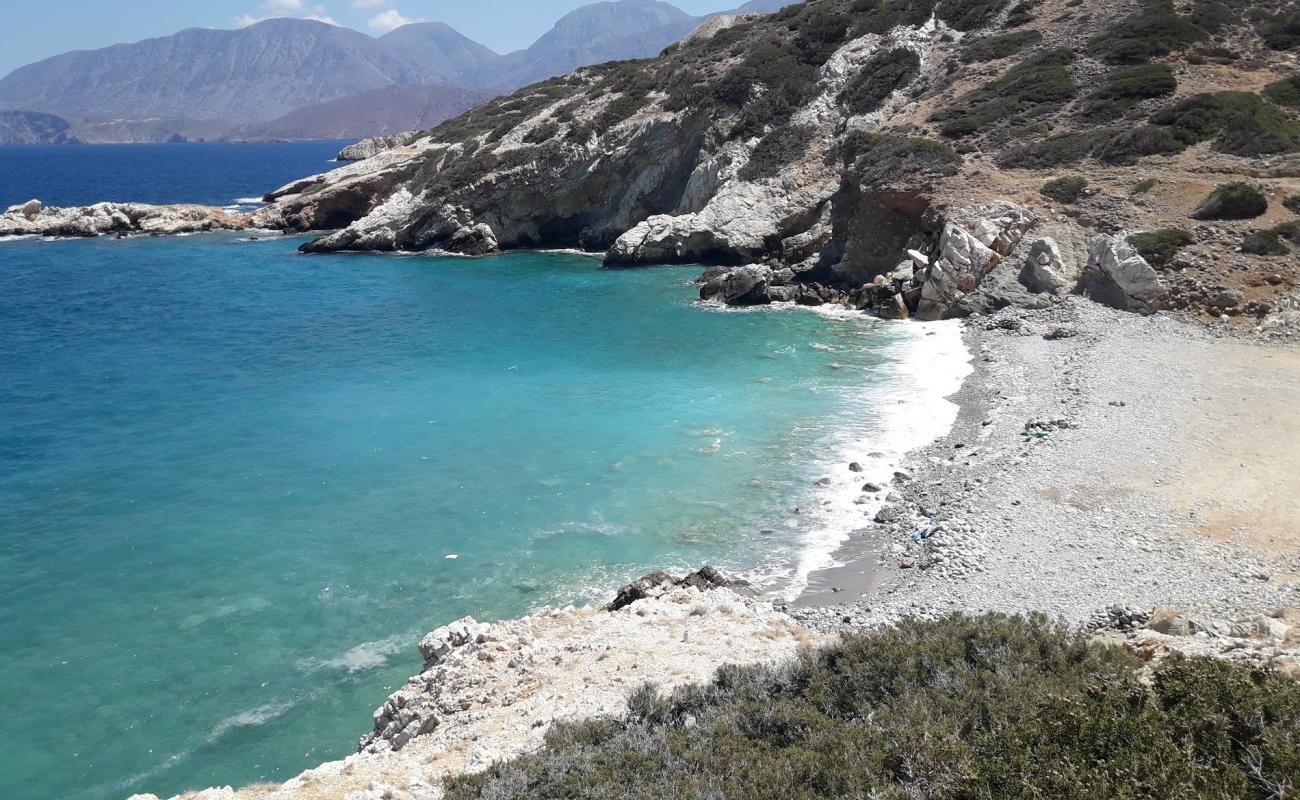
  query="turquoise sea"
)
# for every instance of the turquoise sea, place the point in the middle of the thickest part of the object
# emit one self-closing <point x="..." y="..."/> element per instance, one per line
<point x="238" y="483"/>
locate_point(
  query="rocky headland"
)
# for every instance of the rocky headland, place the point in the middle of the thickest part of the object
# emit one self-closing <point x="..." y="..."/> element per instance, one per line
<point x="933" y="160"/>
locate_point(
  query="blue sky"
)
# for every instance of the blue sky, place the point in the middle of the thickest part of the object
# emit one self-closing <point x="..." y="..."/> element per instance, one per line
<point x="35" y="30"/>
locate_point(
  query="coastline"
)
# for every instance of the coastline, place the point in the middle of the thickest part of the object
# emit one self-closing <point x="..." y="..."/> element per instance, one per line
<point x="1092" y="463"/>
<point x="931" y="364"/>
<point x="1026" y="523"/>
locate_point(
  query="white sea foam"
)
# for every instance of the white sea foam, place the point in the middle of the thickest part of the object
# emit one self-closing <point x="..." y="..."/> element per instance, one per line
<point x="250" y="718"/>
<point x="364" y="656"/>
<point x="247" y="201"/>
<point x="906" y="411"/>
<point x="900" y="415"/>
<point x="572" y="251"/>
<point x="17" y="238"/>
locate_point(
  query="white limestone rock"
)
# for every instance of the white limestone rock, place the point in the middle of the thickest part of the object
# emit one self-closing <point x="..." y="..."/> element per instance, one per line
<point x="1044" y="269"/>
<point x="1117" y="275"/>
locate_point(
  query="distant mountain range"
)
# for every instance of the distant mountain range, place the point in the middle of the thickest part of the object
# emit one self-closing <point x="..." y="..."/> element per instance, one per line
<point x="293" y="78"/>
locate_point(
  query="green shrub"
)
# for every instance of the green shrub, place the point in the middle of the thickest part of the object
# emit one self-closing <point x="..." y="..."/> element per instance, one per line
<point x="1124" y="88"/>
<point x="619" y="109"/>
<point x="781" y="146"/>
<point x="1054" y="151"/>
<point x="1285" y="92"/>
<point x="1235" y="200"/>
<point x="1128" y="146"/>
<point x="684" y="89"/>
<point x="542" y="132"/>
<point x="1241" y="123"/>
<point x="1281" y="31"/>
<point x="968" y="15"/>
<point x="1160" y="246"/>
<point x="881" y="76"/>
<point x="879" y="16"/>
<point x="1022" y="13"/>
<point x="957" y="708"/>
<point x="1033" y="87"/>
<point x="1145" y="185"/>
<point x="1155" y="30"/>
<point x="1272" y="241"/>
<point x="1292" y="203"/>
<point x="991" y="48"/>
<point x="580" y="133"/>
<point x="1064" y="190"/>
<point x="877" y="160"/>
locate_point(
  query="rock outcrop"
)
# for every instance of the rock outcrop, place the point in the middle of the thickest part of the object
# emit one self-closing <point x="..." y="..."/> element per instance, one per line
<point x="1119" y="277"/>
<point x="34" y="218"/>
<point x="932" y="279"/>
<point x="376" y="144"/>
<point x="1044" y="269"/>
<point x="491" y="691"/>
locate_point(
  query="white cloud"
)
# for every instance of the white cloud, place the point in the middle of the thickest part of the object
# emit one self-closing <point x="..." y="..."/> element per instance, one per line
<point x="389" y="20"/>
<point x="300" y="9"/>
<point x="369" y="3"/>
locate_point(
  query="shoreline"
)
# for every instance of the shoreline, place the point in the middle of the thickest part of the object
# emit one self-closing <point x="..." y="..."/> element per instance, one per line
<point x="932" y="366"/>
<point x="1062" y="484"/>
<point x="492" y="690"/>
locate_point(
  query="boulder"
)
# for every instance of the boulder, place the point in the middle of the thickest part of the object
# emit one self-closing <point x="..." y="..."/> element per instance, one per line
<point x="1119" y="277"/>
<point x="740" y="286"/>
<point x="888" y="514"/>
<point x="29" y="210"/>
<point x="961" y="260"/>
<point x="472" y="240"/>
<point x="1044" y="269"/>
<point x="655" y="583"/>
<point x="436" y="644"/>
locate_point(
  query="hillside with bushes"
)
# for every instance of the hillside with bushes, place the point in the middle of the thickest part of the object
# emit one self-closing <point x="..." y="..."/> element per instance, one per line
<point x="883" y="153"/>
<point x="962" y="707"/>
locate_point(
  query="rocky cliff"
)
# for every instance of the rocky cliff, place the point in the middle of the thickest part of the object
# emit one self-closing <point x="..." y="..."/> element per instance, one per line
<point x="31" y="127"/>
<point x="918" y="157"/>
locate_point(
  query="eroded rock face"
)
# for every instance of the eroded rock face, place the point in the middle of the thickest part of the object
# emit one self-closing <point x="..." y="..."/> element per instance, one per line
<point x="1119" y="277"/>
<point x="100" y="219"/>
<point x="965" y="254"/>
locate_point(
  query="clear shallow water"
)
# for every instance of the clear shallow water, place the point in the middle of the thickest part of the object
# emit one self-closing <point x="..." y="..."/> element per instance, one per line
<point x="212" y="173"/>
<point x="230" y="476"/>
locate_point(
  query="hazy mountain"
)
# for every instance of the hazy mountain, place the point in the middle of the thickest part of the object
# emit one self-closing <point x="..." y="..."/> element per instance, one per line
<point x="374" y="113"/>
<point x="33" y="127"/>
<point x="255" y="73"/>
<point x="214" y="83"/>
<point x="764" y="6"/>
<point x="607" y="31"/>
<point x="441" y="48"/>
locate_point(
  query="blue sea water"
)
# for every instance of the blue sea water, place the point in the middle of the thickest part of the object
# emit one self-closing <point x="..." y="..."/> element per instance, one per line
<point x="232" y="477"/>
<point x="211" y="173"/>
